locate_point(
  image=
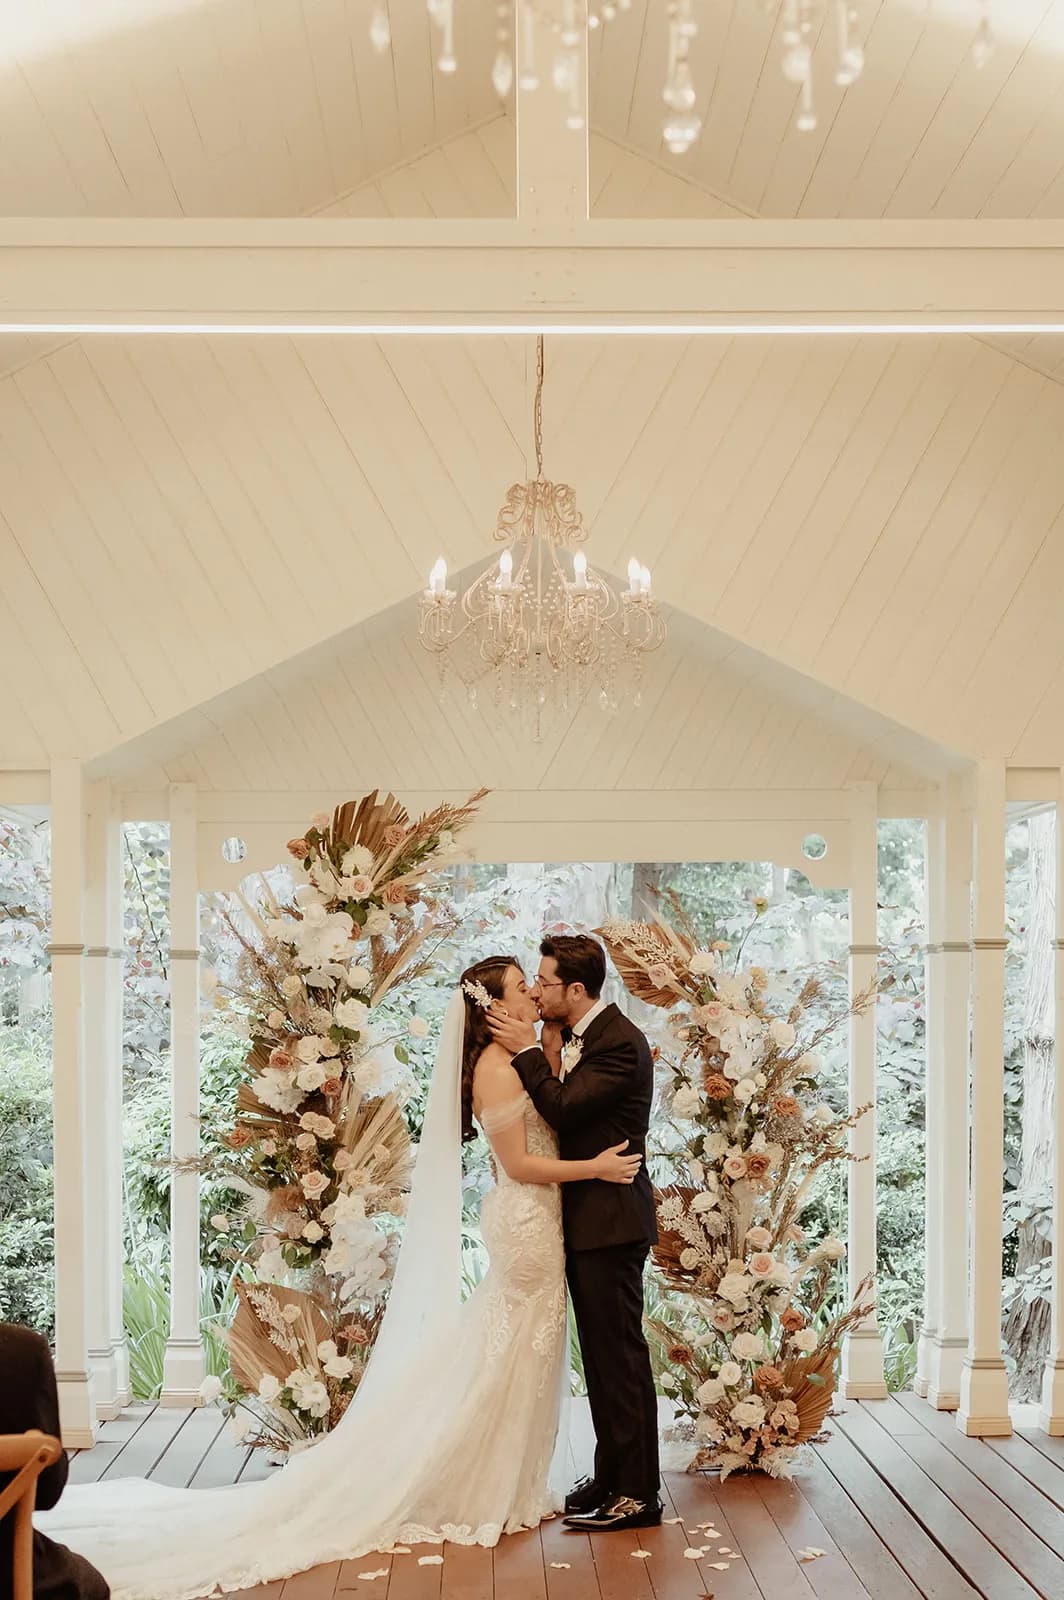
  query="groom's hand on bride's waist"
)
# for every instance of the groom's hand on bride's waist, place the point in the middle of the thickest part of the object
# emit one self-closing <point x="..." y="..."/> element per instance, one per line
<point x="511" y="1032"/>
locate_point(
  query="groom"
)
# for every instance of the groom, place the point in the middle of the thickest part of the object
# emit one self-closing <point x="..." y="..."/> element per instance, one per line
<point x="601" y="1097"/>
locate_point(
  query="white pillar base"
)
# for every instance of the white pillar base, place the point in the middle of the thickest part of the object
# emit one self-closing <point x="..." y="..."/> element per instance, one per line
<point x="120" y="1356"/>
<point x="862" y="1366"/>
<point x="77" y="1409"/>
<point x="924" y="1359"/>
<point x="105" y="1384"/>
<point x="1051" y="1409"/>
<point x="184" y="1369"/>
<point x="946" y="1362"/>
<point x="984" y="1409"/>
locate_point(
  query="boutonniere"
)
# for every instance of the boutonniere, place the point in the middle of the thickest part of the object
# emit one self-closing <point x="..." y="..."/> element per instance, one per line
<point x="571" y="1054"/>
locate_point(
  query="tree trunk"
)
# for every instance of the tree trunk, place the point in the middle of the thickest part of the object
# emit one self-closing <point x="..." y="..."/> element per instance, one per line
<point x="1027" y="1325"/>
<point x="646" y="880"/>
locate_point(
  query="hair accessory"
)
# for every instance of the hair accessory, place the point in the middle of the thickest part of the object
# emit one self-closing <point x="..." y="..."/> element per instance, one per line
<point x="476" y="991"/>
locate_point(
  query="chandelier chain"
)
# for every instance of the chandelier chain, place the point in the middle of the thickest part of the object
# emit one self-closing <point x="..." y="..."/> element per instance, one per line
<point x="537" y="425"/>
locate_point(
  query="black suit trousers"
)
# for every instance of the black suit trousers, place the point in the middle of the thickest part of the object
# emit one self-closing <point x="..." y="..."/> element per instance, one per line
<point x="606" y="1287"/>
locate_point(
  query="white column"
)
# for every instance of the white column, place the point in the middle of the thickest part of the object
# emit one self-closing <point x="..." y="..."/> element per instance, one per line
<point x="108" y="1352"/>
<point x="984" y="1407"/>
<point x="183" y="1366"/>
<point x="945" y="1338"/>
<point x="77" y="1407"/>
<point x="862" y="1351"/>
<point x="552" y="151"/>
<point x="1051" y="1409"/>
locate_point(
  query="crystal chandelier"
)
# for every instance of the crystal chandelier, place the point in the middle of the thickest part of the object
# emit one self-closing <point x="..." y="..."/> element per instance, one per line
<point x="802" y="24"/>
<point x="537" y="630"/>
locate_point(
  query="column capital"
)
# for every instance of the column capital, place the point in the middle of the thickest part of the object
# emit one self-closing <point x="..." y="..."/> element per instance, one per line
<point x="185" y="955"/>
<point x="865" y="949"/>
<point x="65" y="949"/>
<point x="949" y="947"/>
<point x="990" y="944"/>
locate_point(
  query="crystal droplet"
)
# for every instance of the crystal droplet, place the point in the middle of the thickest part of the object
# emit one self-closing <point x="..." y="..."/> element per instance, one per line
<point x="984" y="44"/>
<point x="502" y="74"/>
<point x="447" y="64"/>
<point x="806" y="123"/>
<point x="380" y="32"/>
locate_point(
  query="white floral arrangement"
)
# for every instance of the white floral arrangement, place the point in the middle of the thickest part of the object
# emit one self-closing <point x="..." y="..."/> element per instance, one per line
<point x="751" y="1368"/>
<point x="320" y="1142"/>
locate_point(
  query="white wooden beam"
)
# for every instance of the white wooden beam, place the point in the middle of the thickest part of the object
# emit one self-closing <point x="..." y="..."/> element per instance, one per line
<point x="278" y="276"/>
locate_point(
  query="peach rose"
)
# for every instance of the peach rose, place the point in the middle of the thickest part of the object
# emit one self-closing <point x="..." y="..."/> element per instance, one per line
<point x="394" y="894"/>
<point x="239" y="1137"/>
<point x="722" y="1318"/>
<point x="735" y="1168"/>
<point x="757" y="1164"/>
<point x="768" y="1377"/>
<point x="717" y="1086"/>
<point x="758" y="1238"/>
<point x="282" y="1059"/>
<point x="761" y="1264"/>
<point x="785" y="1105"/>
<point x="331" y="1086"/>
<point x="792" y="1319"/>
<point x="298" y="848"/>
<point x="679" y="1355"/>
<point x="360" y="886"/>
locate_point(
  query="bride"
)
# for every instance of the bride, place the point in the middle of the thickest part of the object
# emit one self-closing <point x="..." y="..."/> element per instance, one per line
<point x="452" y="1432"/>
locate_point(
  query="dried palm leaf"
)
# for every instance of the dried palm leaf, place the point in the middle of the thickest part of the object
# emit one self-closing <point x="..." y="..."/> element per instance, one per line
<point x="811" y="1382"/>
<point x="378" y="1126"/>
<point x="260" y="1342"/>
<point x="671" y="1244"/>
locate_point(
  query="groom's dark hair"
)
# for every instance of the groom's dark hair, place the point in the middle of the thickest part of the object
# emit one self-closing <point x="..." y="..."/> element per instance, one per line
<point x="579" y="959"/>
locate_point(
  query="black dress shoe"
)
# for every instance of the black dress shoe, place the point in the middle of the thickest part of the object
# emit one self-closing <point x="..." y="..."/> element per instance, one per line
<point x="620" y="1511"/>
<point x="586" y="1496"/>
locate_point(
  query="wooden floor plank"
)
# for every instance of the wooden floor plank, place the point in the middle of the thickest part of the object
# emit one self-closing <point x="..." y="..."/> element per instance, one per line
<point x="889" y="1413"/>
<point x="874" y="1564"/>
<point x="1028" y="1503"/>
<point x="89" y="1466"/>
<point x="991" y="1572"/>
<point x="767" y="1553"/>
<point x="178" y="1464"/>
<point x="930" y="1570"/>
<point x="1052" y="1449"/>
<point x="148" y="1443"/>
<point x="1033" y="1465"/>
<point x="829" y="1575"/>
<point x="672" y="1577"/>
<point x="575" y="1577"/>
<point x="222" y="1464"/>
<point x="694" y="1497"/>
<point x="466" y="1573"/>
<point x="517" y="1568"/>
<point x="317" y="1584"/>
<point x="409" y="1580"/>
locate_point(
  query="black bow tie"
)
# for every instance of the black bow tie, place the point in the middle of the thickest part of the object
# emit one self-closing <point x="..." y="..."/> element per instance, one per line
<point x="567" y="1035"/>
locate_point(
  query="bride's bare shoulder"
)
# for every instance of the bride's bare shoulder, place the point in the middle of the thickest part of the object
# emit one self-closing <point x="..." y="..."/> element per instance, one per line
<point x="494" y="1078"/>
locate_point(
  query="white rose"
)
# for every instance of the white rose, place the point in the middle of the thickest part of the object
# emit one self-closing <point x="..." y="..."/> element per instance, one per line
<point x="312" y="1077"/>
<point x="367" y="1075"/>
<point x="210" y="1389"/>
<point x="748" y="1413"/>
<point x="220" y="1222"/>
<point x="339" y="1367"/>
<point x="809" y="1064"/>
<point x="270" y="1266"/>
<point x="745" y="1090"/>
<point x="686" y="1102"/>
<point x="697" y="1171"/>
<point x="306" y="1141"/>
<point x="667" y="1381"/>
<point x="275" y="1019"/>
<point x="805" y="1340"/>
<point x="309" y="1048"/>
<point x="748" y="1346"/>
<point x="703" y="963"/>
<point x="239" y="1428"/>
<point x="734" y="1287"/>
<point x="327" y="1350"/>
<point x="358" y="976"/>
<point x="278" y="1090"/>
<point x="268" y="1147"/>
<point x="710" y="1392"/>
<point x="351" y="1014"/>
<point x="689" y="1259"/>
<point x="714" y="1145"/>
<point x="313" y="1232"/>
<point x="314" y="1397"/>
<point x="703" y="1202"/>
<point x="292" y="985"/>
<point x="269" y="1387"/>
<point x="781" y="1033"/>
<point x="379" y="923"/>
<point x="730" y="1374"/>
<point x="358" y="859"/>
<point x="418" y="1028"/>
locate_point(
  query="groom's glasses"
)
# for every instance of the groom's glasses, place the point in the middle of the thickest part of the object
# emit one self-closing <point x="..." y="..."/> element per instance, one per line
<point x="552" y="983"/>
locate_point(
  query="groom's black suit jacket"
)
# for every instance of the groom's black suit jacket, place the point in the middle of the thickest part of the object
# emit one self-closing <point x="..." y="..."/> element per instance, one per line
<point x="605" y="1099"/>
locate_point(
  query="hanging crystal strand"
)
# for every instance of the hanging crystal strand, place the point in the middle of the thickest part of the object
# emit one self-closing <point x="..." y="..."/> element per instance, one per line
<point x="798" y="59"/>
<point x="681" y="126"/>
<point x="529" y="78"/>
<point x="502" y="71"/>
<point x="380" y="29"/>
<point x="985" y="43"/>
<point x="851" y="55"/>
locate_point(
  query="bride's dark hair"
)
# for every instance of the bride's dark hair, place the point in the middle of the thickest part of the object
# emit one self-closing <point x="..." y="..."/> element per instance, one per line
<point x="491" y="974"/>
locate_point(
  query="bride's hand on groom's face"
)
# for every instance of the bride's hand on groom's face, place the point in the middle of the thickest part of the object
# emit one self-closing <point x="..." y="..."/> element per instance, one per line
<point x="512" y="1033"/>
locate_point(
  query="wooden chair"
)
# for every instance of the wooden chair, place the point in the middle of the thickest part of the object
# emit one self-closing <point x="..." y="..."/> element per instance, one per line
<point x="26" y="1455"/>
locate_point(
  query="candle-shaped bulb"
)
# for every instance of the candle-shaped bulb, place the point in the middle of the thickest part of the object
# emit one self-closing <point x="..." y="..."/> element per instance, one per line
<point x="580" y="570"/>
<point x="438" y="577"/>
<point x="635" y="576"/>
<point x="645" y="579"/>
<point x="506" y="569"/>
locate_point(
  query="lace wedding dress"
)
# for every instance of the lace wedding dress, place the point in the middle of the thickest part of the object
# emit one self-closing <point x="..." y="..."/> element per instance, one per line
<point x="452" y="1433"/>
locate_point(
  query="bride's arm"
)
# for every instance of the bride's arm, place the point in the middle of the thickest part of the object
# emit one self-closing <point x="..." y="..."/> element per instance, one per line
<point x="501" y="1098"/>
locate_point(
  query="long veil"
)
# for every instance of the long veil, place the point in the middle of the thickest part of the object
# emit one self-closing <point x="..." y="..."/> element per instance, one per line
<point x="348" y="1494"/>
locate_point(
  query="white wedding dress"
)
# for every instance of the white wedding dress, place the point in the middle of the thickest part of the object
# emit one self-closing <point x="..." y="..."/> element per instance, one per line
<point x="454" y="1433"/>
